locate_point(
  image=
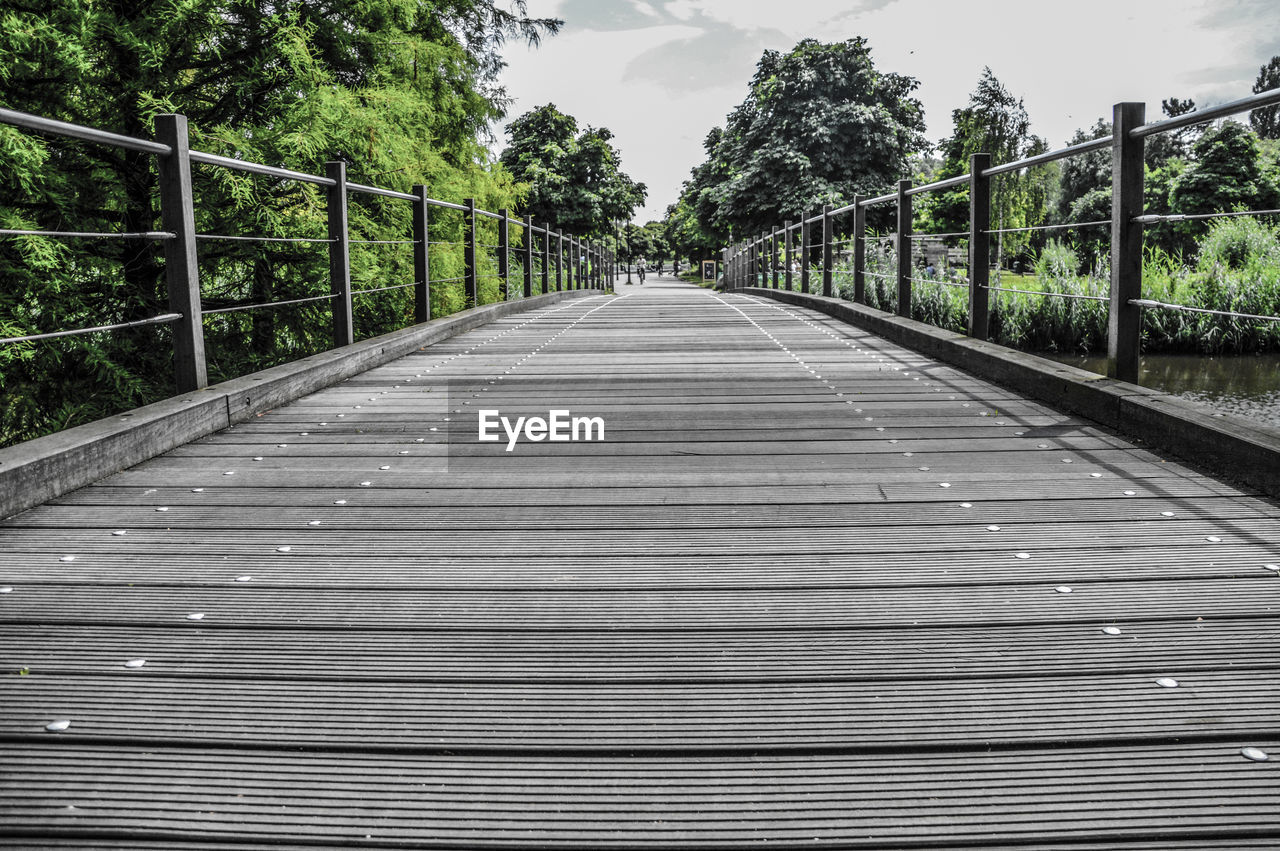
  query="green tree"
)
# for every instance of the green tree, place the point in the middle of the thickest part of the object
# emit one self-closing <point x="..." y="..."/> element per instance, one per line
<point x="996" y="123"/>
<point x="400" y="91"/>
<point x="1266" y="121"/>
<point x="819" y="124"/>
<point x="574" y="179"/>
<point x="1225" y="174"/>
<point x="1085" y="173"/>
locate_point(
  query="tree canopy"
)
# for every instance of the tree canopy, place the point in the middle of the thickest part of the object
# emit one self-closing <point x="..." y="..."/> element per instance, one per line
<point x="400" y="90"/>
<point x="993" y="122"/>
<point x="574" y="179"/>
<point x="819" y="124"/>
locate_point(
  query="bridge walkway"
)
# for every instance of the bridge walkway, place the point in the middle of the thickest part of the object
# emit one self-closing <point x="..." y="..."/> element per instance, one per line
<point x="812" y="589"/>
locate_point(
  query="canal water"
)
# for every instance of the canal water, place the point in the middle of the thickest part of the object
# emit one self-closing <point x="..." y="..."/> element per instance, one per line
<point x="1244" y="385"/>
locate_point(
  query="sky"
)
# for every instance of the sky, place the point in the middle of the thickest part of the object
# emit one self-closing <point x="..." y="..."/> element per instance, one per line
<point x="661" y="73"/>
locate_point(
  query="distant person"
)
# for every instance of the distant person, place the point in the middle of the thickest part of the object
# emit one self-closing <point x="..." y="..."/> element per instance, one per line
<point x="640" y="267"/>
<point x="660" y="265"/>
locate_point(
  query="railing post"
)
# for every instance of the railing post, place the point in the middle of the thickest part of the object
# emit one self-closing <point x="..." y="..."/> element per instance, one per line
<point x="766" y="261"/>
<point x="805" y="253"/>
<point x="904" y="249"/>
<point x="421" y="255"/>
<point x="788" y="254"/>
<point x="469" y="277"/>
<point x="826" y="250"/>
<point x="1124" y="323"/>
<point x="526" y="251"/>
<point x="181" y="271"/>
<point x="773" y="255"/>
<point x="979" y="246"/>
<point x="339" y="254"/>
<point x="504" y="248"/>
<point x="546" y="257"/>
<point x="559" y="261"/>
<point x="568" y="263"/>
<point x="859" y="251"/>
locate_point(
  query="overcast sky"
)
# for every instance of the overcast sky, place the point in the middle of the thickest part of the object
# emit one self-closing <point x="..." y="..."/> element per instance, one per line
<point x="661" y="73"/>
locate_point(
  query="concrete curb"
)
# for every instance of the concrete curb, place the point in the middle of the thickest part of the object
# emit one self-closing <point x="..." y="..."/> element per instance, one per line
<point x="39" y="470"/>
<point x="1239" y="449"/>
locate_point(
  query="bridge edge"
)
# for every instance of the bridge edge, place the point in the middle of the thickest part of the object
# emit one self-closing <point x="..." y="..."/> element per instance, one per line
<point x="39" y="470"/>
<point x="1228" y="446"/>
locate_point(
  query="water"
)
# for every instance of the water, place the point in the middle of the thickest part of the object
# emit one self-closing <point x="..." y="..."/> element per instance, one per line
<point x="1243" y="385"/>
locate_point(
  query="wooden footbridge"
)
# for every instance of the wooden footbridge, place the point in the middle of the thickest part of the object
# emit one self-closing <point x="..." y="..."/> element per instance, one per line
<point x="812" y="589"/>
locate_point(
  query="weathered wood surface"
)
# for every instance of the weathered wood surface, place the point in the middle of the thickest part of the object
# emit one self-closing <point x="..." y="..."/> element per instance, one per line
<point x="769" y="606"/>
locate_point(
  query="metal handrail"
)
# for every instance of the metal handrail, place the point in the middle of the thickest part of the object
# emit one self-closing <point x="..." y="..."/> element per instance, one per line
<point x="259" y="168"/>
<point x="78" y="131"/>
<point x="1200" y="116"/>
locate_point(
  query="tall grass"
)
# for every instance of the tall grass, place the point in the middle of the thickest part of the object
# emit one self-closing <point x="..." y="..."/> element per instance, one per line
<point x="1236" y="268"/>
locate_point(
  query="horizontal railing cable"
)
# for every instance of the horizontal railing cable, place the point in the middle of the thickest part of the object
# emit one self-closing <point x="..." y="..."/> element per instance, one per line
<point x="162" y="319"/>
<point x="385" y="289"/>
<point x="1049" y="294"/>
<point x="382" y="241"/>
<point x="939" y="235"/>
<point x="1154" y="218"/>
<point x="82" y="234"/>
<point x="939" y="281"/>
<point x="1146" y="302"/>
<point x="241" y="307"/>
<point x="231" y="238"/>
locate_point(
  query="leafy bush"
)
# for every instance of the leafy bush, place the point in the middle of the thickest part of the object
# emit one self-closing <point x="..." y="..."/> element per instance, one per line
<point x="1237" y="269"/>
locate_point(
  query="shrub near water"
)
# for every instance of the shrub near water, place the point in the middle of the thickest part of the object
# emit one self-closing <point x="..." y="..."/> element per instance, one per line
<point x="1237" y="269"/>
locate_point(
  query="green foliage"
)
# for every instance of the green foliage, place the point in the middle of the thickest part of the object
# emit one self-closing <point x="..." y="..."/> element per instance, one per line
<point x="648" y="241"/>
<point x="1266" y="121"/>
<point x="1225" y="174"/>
<point x="573" y="179"/>
<point x="996" y="123"/>
<point x="399" y="90"/>
<point x="1238" y="269"/>
<point x="819" y="124"/>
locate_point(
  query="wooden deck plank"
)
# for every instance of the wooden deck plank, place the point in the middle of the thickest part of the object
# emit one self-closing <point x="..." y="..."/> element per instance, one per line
<point x="621" y="718"/>
<point x="858" y="801"/>
<point x="868" y="654"/>
<point x="752" y="613"/>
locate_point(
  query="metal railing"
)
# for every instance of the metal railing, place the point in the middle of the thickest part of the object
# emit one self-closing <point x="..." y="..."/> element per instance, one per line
<point x="538" y="246"/>
<point x="755" y="261"/>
